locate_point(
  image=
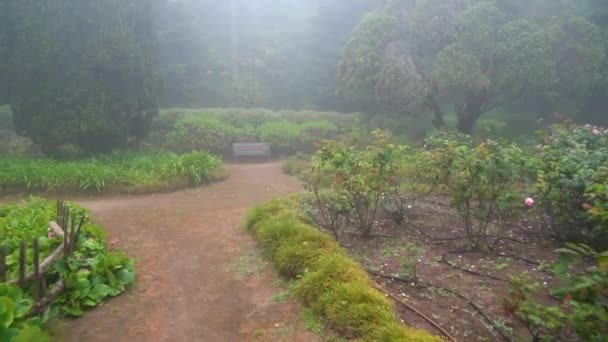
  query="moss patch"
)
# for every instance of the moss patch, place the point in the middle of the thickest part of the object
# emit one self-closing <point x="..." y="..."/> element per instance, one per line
<point x="331" y="285"/>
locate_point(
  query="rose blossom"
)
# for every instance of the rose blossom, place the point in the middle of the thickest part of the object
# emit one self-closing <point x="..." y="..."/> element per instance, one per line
<point x="529" y="202"/>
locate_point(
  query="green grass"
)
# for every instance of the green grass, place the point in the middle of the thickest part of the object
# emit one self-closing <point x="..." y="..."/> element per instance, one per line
<point x="331" y="285"/>
<point x="122" y="172"/>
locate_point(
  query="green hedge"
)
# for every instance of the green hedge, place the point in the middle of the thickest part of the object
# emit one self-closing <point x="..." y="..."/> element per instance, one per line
<point x="323" y="276"/>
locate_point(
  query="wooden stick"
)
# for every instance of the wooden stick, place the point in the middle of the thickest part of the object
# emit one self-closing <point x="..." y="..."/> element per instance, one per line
<point x="2" y="264"/>
<point x="37" y="287"/>
<point x="44" y="266"/>
<point x="416" y="311"/>
<point x="48" y="299"/>
<point x="21" y="280"/>
<point x="56" y="229"/>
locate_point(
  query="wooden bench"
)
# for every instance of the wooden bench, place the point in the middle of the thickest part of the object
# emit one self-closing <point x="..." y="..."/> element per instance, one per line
<point x="251" y="150"/>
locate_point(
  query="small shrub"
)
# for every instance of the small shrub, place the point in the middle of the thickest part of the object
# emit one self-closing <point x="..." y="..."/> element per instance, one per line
<point x="201" y="133"/>
<point x="571" y="184"/>
<point x="482" y="182"/>
<point x="361" y="177"/>
<point x="298" y="165"/>
<point x="313" y="132"/>
<point x="282" y="136"/>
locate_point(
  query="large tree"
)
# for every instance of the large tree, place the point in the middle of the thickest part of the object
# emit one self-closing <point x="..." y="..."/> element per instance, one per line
<point x="82" y="72"/>
<point x="412" y="56"/>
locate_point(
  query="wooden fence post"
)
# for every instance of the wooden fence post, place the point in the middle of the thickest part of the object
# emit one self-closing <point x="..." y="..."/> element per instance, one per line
<point x="2" y="264"/>
<point x="37" y="288"/>
<point x="21" y="281"/>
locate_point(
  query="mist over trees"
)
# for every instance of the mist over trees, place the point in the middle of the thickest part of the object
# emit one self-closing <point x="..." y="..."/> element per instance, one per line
<point x="80" y="72"/>
<point x="93" y="74"/>
<point x="263" y="53"/>
<point x="473" y="56"/>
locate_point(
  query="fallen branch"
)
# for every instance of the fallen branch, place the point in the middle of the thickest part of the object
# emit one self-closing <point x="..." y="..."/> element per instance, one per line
<point x="416" y="311"/>
<point x="48" y="299"/>
<point x="56" y="229"/>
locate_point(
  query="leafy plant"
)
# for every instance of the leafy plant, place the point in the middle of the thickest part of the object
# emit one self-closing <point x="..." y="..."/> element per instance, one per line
<point x="414" y="177"/>
<point x="360" y="177"/>
<point x="409" y="261"/>
<point x="201" y="133"/>
<point x="282" y="136"/>
<point x="571" y="182"/>
<point x="582" y="289"/>
<point x="14" y="324"/>
<point x="91" y="273"/>
<point x="482" y="183"/>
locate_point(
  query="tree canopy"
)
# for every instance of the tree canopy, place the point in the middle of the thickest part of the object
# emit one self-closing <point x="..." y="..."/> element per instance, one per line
<point x="80" y="72"/>
<point x="473" y="56"/>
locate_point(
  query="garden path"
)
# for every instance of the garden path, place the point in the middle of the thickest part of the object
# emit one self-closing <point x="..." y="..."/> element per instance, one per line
<point x="199" y="275"/>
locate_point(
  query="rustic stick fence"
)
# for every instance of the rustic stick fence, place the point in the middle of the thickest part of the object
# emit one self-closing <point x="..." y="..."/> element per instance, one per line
<point x="44" y="295"/>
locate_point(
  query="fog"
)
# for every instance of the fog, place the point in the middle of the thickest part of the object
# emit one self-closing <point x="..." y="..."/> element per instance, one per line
<point x="88" y="73"/>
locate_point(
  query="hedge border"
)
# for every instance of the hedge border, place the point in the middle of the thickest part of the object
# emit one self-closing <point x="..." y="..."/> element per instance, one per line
<point x="323" y="276"/>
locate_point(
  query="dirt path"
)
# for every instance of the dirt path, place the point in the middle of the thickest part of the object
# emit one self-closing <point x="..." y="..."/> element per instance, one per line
<point x="199" y="276"/>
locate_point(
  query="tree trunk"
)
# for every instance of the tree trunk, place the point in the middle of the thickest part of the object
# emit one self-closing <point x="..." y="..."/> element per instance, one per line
<point x="438" y="116"/>
<point x="470" y="112"/>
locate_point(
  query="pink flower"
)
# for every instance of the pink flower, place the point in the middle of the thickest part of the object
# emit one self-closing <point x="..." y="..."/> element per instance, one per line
<point x="595" y="131"/>
<point x="113" y="242"/>
<point x="529" y="202"/>
<point x="50" y="234"/>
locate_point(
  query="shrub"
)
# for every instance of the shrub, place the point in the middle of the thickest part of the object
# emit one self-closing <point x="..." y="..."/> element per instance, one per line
<point x="296" y="165"/>
<point x="324" y="278"/>
<point x="360" y="177"/>
<point x="282" y="136"/>
<point x="313" y="132"/>
<point x="571" y="186"/>
<point x="481" y="181"/>
<point x="201" y="133"/>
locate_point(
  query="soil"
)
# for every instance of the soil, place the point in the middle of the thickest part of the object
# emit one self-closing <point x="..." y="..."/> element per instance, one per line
<point x="199" y="275"/>
<point x="436" y="232"/>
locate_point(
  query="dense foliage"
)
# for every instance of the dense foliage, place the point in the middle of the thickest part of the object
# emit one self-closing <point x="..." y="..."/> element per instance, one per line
<point x="481" y="182"/>
<point x="92" y="273"/>
<point x="80" y="72"/>
<point x="360" y="176"/>
<point x="572" y="182"/>
<point x="324" y="277"/>
<point x="201" y="133"/>
<point x="115" y="172"/>
<point x="581" y="289"/>
<point x="216" y="129"/>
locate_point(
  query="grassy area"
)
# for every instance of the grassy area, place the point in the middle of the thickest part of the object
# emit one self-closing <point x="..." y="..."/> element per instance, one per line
<point x="333" y="286"/>
<point x="118" y="172"/>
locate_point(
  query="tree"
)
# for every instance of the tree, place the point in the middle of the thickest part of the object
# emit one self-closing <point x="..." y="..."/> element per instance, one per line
<point x="82" y="72"/>
<point x="472" y="55"/>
